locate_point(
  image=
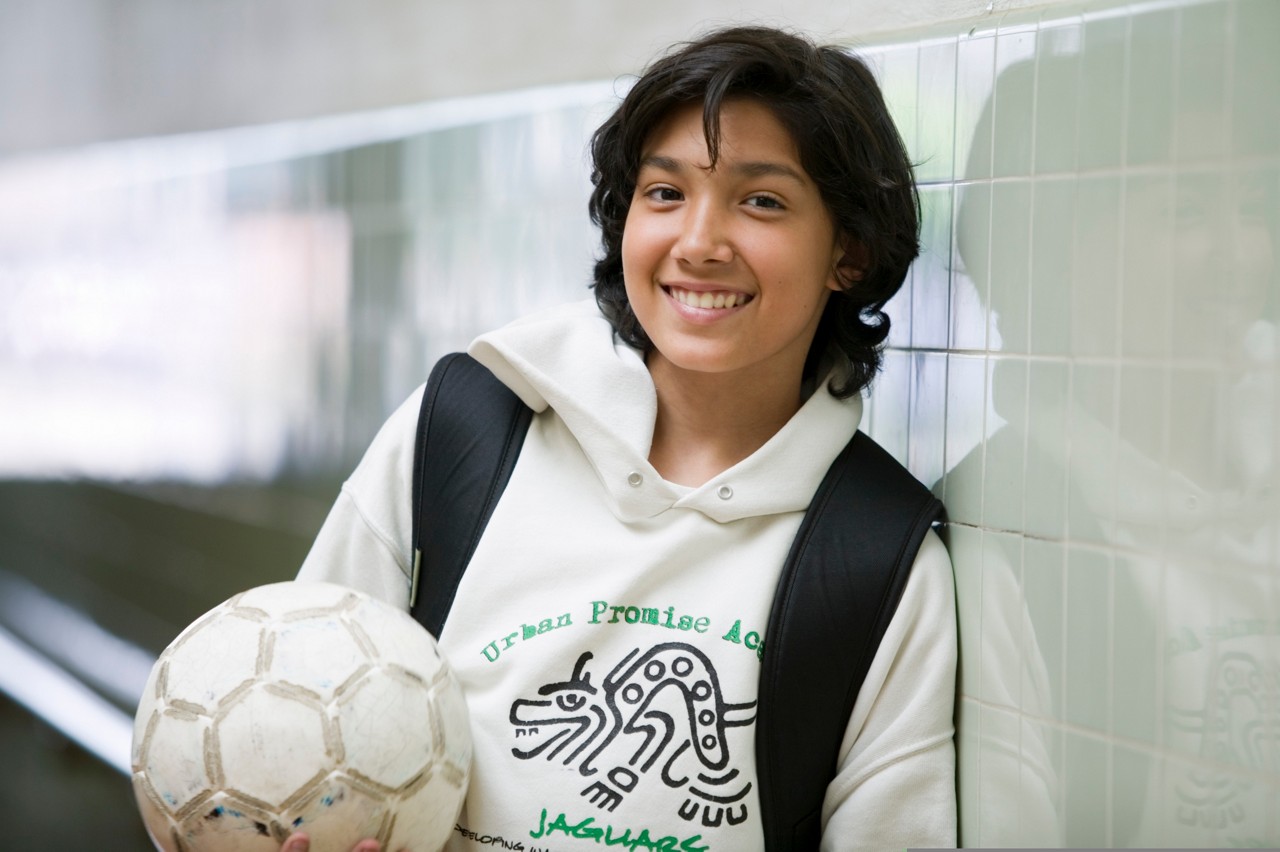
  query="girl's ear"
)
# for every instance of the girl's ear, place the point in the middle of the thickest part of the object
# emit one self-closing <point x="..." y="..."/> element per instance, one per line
<point x="849" y="265"/>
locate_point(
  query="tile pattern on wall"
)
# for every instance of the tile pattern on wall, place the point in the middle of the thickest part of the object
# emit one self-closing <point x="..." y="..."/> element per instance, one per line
<point x="1101" y="193"/>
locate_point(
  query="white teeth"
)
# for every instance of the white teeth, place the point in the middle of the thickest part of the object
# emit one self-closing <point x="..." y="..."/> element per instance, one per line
<point x="708" y="300"/>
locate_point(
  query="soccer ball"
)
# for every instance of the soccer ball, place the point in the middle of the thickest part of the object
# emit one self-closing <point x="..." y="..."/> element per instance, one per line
<point x="301" y="707"/>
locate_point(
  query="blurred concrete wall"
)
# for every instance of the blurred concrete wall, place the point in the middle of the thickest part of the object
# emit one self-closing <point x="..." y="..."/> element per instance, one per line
<point x="80" y="71"/>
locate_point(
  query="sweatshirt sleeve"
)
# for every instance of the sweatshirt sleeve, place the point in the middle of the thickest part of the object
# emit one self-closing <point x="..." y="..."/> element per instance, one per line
<point x="895" y="782"/>
<point x="365" y="542"/>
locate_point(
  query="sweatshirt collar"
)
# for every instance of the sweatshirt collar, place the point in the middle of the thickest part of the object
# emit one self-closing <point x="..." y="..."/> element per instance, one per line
<point x="611" y="409"/>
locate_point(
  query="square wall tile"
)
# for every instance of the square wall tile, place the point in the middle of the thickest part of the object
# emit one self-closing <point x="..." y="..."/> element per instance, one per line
<point x="1087" y="700"/>
<point x="999" y="779"/>
<point x="1002" y="620"/>
<point x="1095" y="281"/>
<point x="1045" y="480"/>
<point x="1057" y="95"/>
<point x="1087" y="782"/>
<point x="969" y="292"/>
<point x="1151" y="85"/>
<point x="1015" y="102"/>
<point x="926" y="451"/>
<point x="1140" y="466"/>
<point x="1006" y="450"/>
<point x="1224" y="225"/>
<point x="1041" y="809"/>
<point x="931" y="274"/>
<point x="1053" y="223"/>
<point x="1196" y="448"/>
<point x="1133" y="775"/>
<point x="898" y="311"/>
<point x="1202" y="118"/>
<point x="897" y="68"/>
<point x="1147" y="266"/>
<point x="1091" y="425"/>
<point x="887" y="415"/>
<point x="1254" y="92"/>
<point x="965" y="437"/>
<point x="975" y="81"/>
<point x="1136" y="664"/>
<point x="1100" y="140"/>
<point x="1010" y="260"/>
<point x="935" y="136"/>
<point x="1043" y="638"/>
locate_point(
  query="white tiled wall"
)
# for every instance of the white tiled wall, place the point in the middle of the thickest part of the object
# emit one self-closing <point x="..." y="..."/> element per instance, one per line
<point x="1083" y="362"/>
<point x="1095" y="312"/>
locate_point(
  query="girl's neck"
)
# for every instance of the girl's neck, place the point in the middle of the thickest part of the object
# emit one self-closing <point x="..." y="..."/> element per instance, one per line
<point x="708" y="422"/>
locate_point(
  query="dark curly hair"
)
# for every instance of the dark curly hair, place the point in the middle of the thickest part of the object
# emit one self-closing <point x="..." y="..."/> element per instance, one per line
<point x="829" y="102"/>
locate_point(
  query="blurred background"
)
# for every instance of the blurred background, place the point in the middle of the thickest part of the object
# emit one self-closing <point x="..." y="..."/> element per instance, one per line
<point x="234" y="236"/>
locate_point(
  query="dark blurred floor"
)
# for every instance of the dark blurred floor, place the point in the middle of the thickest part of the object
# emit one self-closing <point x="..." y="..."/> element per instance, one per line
<point x="140" y="561"/>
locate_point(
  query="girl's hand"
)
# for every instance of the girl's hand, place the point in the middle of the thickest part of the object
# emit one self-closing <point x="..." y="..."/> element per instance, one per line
<point x="301" y="843"/>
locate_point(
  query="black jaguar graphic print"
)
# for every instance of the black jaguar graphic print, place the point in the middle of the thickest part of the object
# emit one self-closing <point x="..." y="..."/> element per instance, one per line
<point x="661" y="708"/>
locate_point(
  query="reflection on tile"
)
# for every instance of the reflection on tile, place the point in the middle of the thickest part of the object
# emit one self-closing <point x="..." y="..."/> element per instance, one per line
<point x="1147" y="266"/>
<point x="1088" y="664"/>
<point x="1045" y="602"/>
<point x="1045" y="486"/>
<point x="1255" y="79"/>
<point x="1057" y="95"/>
<point x="965" y="425"/>
<point x="1202" y="108"/>
<point x="1086" y="779"/>
<point x="1053" y="222"/>
<point x="1095" y="272"/>
<point x="1005" y="459"/>
<point x="1102" y="67"/>
<point x="1091" y="498"/>
<point x="1014" y="101"/>
<point x="1003" y="619"/>
<point x="1152" y="80"/>
<point x="969" y="294"/>
<point x="1009" y="265"/>
<point x="1121" y="271"/>
<point x="1137" y="663"/>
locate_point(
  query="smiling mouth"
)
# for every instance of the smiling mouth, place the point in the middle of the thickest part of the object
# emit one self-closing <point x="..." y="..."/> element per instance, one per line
<point x="722" y="299"/>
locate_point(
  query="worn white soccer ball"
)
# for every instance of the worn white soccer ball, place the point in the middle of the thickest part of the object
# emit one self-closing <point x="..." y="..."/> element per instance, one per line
<point x="301" y="707"/>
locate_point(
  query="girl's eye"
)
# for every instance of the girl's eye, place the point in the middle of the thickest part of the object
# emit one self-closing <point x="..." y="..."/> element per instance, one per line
<point x="664" y="193"/>
<point x="765" y="202"/>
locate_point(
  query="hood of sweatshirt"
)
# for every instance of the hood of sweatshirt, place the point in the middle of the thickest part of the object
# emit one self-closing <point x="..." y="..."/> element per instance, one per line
<point x="569" y="360"/>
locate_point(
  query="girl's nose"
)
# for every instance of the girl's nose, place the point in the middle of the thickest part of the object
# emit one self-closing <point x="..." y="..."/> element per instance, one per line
<point x="704" y="235"/>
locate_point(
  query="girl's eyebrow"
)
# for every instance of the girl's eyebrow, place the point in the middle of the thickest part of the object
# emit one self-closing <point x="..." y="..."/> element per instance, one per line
<point x="749" y="169"/>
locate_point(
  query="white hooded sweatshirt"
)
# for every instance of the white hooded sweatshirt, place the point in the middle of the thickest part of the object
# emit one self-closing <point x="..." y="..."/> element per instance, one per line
<point x="609" y="629"/>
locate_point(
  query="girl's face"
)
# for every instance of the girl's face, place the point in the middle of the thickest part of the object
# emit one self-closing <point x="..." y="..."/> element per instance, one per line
<point x="728" y="269"/>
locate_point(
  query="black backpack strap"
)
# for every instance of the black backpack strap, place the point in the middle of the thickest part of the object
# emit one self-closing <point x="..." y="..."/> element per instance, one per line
<point x="839" y="590"/>
<point x="470" y="432"/>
